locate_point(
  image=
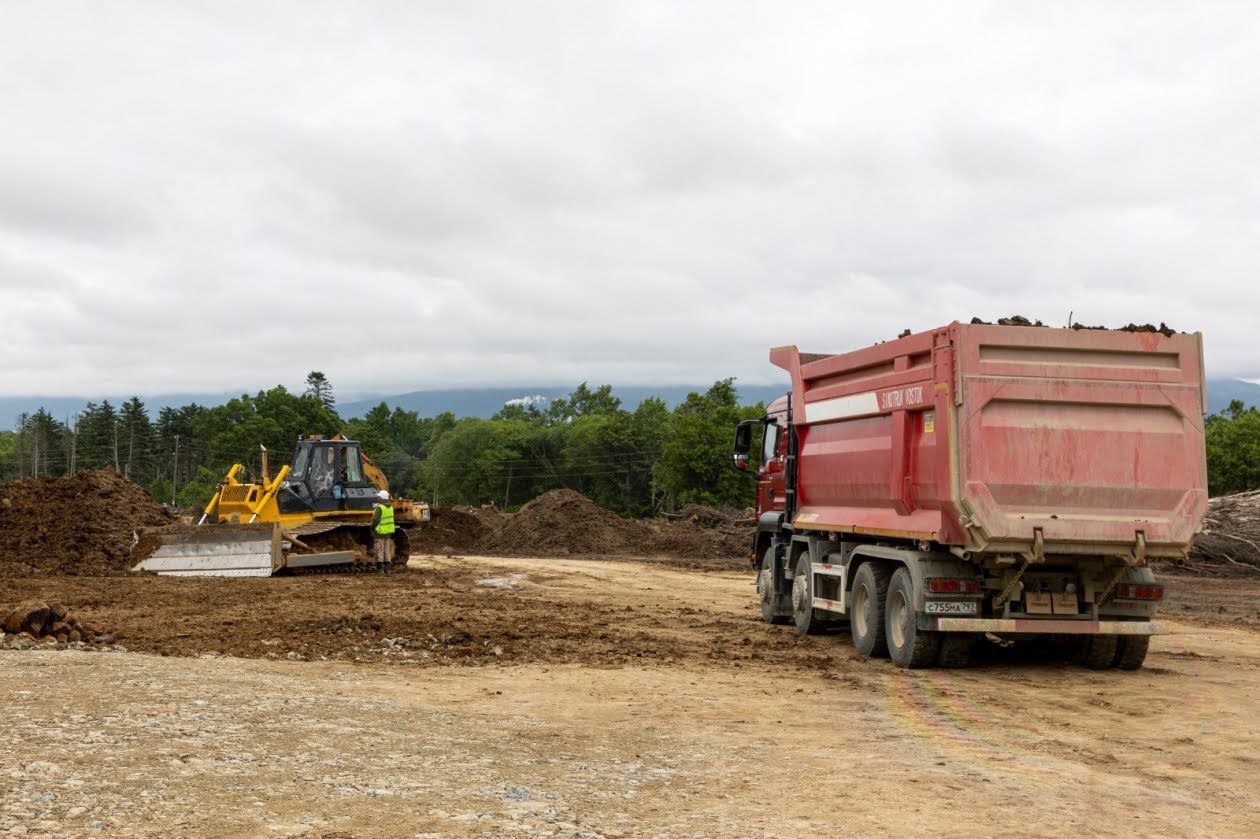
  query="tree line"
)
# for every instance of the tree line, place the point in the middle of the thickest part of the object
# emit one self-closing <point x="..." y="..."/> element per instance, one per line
<point x="1233" y="444"/>
<point x="635" y="462"/>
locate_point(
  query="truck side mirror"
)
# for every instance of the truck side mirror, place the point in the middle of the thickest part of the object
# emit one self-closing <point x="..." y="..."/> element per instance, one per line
<point x="743" y="444"/>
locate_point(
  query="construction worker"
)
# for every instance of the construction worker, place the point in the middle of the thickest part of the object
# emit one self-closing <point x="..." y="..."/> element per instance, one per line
<point x="383" y="532"/>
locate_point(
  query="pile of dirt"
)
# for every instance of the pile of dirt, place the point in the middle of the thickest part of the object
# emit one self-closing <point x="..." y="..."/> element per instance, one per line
<point x="703" y="515"/>
<point x="34" y="619"/>
<point x="690" y="546"/>
<point x="80" y="525"/>
<point x="490" y="516"/>
<point x="450" y="530"/>
<point x="566" y="523"/>
<point x="1230" y="541"/>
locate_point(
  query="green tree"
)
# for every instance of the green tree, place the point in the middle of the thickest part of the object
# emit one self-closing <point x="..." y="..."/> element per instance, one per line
<point x="318" y="387"/>
<point x="583" y="401"/>
<point x="42" y="445"/>
<point x="694" y="466"/>
<point x="8" y="455"/>
<point x="135" y="435"/>
<point x="97" y="443"/>
<point x="273" y="418"/>
<point x="1233" y="449"/>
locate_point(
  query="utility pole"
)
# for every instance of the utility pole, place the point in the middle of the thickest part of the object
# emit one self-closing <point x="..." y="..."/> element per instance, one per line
<point x="507" y="495"/>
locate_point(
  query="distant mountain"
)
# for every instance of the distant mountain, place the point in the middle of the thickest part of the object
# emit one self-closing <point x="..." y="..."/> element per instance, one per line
<point x="1222" y="391"/>
<point x="485" y="401"/>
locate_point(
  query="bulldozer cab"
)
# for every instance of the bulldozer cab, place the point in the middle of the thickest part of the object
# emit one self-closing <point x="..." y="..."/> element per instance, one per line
<point x="326" y="475"/>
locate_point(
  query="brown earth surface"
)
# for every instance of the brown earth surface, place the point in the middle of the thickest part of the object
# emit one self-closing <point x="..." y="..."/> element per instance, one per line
<point x="78" y="525"/>
<point x="623" y="699"/>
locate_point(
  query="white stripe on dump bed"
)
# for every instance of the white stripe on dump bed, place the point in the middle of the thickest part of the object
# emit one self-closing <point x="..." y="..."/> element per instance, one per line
<point x="841" y="407"/>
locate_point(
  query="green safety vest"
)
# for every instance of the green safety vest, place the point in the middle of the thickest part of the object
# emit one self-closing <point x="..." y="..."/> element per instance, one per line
<point x="385" y="527"/>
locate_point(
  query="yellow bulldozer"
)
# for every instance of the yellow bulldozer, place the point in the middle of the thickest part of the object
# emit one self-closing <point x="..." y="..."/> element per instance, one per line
<point x="315" y="514"/>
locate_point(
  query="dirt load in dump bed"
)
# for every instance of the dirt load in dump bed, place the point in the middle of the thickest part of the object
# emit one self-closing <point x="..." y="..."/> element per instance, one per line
<point x="80" y="525"/>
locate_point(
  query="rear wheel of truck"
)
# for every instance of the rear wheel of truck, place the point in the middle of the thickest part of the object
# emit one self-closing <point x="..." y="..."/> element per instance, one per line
<point x="1131" y="651"/>
<point x="866" y="618"/>
<point x="1100" y="652"/>
<point x="803" y="614"/>
<point x="765" y="589"/>
<point x="908" y="646"/>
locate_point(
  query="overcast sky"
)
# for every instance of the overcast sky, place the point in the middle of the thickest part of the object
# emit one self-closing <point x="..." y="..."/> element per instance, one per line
<point x="218" y="197"/>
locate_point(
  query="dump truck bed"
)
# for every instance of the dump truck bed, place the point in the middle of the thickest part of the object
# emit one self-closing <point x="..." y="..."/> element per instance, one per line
<point x="994" y="438"/>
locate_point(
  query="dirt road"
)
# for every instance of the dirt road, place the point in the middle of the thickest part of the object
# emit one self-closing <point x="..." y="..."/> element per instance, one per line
<point x="623" y="699"/>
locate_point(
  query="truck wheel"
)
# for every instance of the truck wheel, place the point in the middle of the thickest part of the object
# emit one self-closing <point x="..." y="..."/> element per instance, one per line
<point x="908" y="646"/>
<point x="866" y="617"/>
<point x="765" y="590"/>
<point x="803" y="599"/>
<point x="1131" y="651"/>
<point x="1100" y="652"/>
<point x="957" y="648"/>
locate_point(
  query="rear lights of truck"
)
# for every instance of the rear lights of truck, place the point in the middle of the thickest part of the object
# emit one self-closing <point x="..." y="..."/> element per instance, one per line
<point x="1139" y="591"/>
<point x="945" y="585"/>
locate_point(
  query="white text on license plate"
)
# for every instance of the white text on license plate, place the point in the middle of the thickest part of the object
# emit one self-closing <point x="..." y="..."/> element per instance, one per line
<point x="951" y="607"/>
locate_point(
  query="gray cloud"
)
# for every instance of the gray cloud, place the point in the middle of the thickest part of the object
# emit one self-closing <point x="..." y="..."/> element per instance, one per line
<point x="409" y="197"/>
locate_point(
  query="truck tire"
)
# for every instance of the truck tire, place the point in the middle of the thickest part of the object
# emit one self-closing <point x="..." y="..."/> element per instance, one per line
<point x="1100" y="652"/>
<point x="765" y="590"/>
<point x="803" y="614"/>
<point x="1131" y="651"/>
<point x="866" y="618"/>
<point x="908" y="646"/>
<point x="957" y="649"/>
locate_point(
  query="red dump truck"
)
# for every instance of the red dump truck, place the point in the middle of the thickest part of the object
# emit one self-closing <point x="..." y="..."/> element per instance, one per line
<point x="980" y="479"/>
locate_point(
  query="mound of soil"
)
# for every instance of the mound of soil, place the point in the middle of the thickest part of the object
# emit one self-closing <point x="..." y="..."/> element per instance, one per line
<point x="80" y="525"/>
<point x="450" y="530"/>
<point x="566" y="523"/>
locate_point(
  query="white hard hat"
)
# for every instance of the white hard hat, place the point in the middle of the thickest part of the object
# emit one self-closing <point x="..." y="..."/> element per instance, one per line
<point x="383" y="495"/>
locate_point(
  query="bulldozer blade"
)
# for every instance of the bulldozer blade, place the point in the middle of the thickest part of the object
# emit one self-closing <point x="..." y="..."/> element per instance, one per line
<point x="213" y="550"/>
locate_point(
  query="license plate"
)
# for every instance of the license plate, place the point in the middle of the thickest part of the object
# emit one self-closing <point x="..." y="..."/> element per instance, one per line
<point x="951" y="607"/>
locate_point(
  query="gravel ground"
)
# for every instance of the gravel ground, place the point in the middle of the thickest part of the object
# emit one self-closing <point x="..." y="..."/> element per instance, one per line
<point x="724" y="727"/>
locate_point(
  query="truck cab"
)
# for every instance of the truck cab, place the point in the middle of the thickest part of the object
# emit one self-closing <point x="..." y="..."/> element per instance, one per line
<point x="766" y="438"/>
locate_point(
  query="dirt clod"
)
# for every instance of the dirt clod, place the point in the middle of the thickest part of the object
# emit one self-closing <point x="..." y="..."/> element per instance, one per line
<point x="37" y="619"/>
